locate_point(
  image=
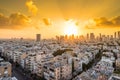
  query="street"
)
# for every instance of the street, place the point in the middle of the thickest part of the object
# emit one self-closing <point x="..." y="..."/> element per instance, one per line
<point x="16" y="72"/>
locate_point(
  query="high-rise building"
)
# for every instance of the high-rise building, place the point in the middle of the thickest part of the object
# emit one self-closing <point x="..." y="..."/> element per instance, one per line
<point x="115" y="36"/>
<point x="66" y="37"/>
<point x="118" y="34"/>
<point x="111" y="36"/>
<point x="92" y="36"/>
<point x="87" y="36"/>
<point x="100" y="37"/>
<point x="38" y="37"/>
<point x="72" y="36"/>
<point x="108" y="37"/>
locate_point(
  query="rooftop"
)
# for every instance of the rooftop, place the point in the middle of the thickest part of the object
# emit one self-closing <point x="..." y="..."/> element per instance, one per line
<point x="4" y="63"/>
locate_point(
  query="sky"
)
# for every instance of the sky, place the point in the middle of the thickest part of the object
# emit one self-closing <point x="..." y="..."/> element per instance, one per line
<point x="26" y="18"/>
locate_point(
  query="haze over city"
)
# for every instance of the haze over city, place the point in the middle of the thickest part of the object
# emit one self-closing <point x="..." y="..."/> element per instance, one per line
<point x="25" y="18"/>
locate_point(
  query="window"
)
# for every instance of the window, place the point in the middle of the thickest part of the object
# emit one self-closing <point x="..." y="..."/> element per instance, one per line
<point x="5" y="68"/>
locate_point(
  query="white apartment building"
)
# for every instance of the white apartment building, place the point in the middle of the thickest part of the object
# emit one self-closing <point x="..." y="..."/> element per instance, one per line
<point x="18" y="56"/>
<point x="118" y="64"/>
<point x="77" y="64"/>
<point x="58" y="69"/>
<point x="30" y="62"/>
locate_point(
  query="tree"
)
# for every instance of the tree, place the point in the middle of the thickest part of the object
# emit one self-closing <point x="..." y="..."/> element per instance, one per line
<point x="60" y="52"/>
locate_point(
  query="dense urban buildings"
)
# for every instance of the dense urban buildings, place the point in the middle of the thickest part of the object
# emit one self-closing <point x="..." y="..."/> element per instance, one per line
<point x="71" y="57"/>
<point x="59" y="39"/>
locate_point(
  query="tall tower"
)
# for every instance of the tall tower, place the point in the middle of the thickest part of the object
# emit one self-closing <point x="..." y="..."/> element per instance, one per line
<point x="87" y="36"/>
<point x="100" y="37"/>
<point x="38" y="37"/>
<point x="115" y="35"/>
<point x="92" y="36"/>
<point x="72" y="36"/>
<point x="118" y="34"/>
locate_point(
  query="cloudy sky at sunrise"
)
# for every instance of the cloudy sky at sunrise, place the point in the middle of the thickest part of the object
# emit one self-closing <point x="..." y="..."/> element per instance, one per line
<point x="25" y="18"/>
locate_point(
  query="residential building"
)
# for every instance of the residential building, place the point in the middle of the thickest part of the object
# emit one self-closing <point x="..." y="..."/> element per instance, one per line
<point x="5" y="69"/>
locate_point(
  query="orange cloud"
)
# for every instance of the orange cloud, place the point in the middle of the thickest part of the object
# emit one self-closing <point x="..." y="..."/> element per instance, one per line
<point x="32" y="7"/>
<point x="14" y="21"/>
<point x="116" y="21"/>
<point x="18" y="19"/>
<point x="3" y="20"/>
<point x="108" y="22"/>
<point x="104" y="22"/>
<point x="47" y="21"/>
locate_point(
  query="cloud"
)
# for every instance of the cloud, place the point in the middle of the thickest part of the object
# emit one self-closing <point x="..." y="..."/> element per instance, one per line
<point x="89" y="27"/>
<point x="104" y="22"/>
<point x="4" y="21"/>
<point x="47" y="21"/>
<point x="32" y="7"/>
<point x="4" y="11"/>
<point x="14" y="21"/>
<point x="116" y="21"/>
<point x="18" y="19"/>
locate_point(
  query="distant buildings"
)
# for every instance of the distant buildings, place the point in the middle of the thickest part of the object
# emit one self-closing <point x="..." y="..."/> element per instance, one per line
<point x="89" y="37"/>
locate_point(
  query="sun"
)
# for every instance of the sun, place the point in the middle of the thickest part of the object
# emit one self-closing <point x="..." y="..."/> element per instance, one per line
<point x="70" y="28"/>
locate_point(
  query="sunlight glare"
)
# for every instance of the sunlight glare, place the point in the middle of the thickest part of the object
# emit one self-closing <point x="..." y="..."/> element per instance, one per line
<point x="70" y="28"/>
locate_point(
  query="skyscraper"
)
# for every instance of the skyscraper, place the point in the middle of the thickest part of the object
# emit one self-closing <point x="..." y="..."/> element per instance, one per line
<point x="72" y="36"/>
<point x="87" y="36"/>
<point x="115" y="36"/>
<point x="118" y="34"/>
<point x="38" y="37"/>
<point x="92" y="36"/>
<point x="100" y="37"/>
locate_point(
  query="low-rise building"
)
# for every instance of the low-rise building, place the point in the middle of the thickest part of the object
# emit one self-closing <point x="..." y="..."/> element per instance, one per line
<point x="114" y="77"/>
<point x="118" y="64"/>
<point x="77" y="64"/>
<point x="5" y="69"/>
<point x="58" y="69"/>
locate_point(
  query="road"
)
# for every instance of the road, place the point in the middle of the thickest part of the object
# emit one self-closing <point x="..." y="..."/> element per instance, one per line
<point x="17" y="75"/>
<point x="16" y="72"/>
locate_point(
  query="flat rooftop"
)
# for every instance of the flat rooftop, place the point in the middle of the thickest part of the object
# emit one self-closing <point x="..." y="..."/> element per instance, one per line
<point x="4" y="63"/>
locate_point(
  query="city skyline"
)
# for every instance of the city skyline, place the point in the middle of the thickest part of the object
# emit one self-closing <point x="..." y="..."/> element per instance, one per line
<point x="49" y="18"/>
<point x="59" y="39"/>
